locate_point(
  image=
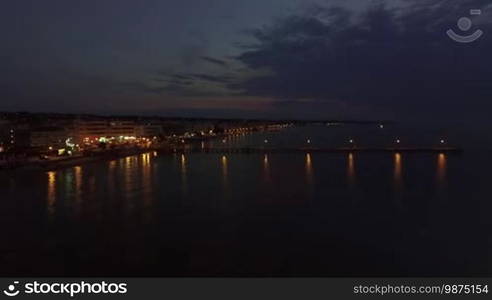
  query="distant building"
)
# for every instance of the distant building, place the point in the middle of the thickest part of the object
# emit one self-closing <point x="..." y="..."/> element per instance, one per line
<point x="5" y="140"/>
<point x="13" y="136"/>
<point x="49" y="138"/>
<point x="198" y="127"/>
<point x="149" y="130"/>
<point x="97" y="129"/>
<point x="170" y="128"/>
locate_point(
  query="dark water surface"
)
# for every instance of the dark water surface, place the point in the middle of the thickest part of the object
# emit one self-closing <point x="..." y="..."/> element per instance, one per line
<point x="361" y="214"/>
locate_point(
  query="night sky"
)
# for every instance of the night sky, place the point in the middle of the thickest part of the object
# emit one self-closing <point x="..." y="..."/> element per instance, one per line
<point x="256" y="58"/>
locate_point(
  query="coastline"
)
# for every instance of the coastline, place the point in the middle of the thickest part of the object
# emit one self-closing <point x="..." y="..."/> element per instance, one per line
<point x="50" y="165"/>
<point x="74" y="161"/>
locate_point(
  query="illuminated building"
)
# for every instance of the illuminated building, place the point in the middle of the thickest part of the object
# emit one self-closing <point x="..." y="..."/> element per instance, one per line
<point x="47" y="137"/>
<point x="96" y="129"/>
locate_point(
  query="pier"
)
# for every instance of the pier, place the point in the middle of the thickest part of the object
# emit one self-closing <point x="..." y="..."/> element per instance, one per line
<point x="266" y="150"/>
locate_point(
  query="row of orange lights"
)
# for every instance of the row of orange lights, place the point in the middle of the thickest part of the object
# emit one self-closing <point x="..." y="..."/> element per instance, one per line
<point x="351" y="141"/>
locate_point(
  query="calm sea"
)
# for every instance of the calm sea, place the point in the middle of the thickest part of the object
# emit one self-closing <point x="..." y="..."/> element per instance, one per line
<point x="313" y="214"/>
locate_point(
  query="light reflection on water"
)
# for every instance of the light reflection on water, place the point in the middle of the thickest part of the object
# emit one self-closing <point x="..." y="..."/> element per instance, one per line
<point x="351" y="169"/>
<point x="266" y="169"/>
<point x="398" y="180"/>
<point x="112" y="168"/>
<point x="137" y="176"/>
<point x="51" y="197"/>
<point x="441" y="168"/>
<point x="398" y="170"/>
<point x="127" y="171"/>
<point x="78" y="192"/>
<point x="208" y="211"/>
<point x="147" y="183"/>
<point x="309" y="169"/>
<point x="184" y="181"/>
<point x="224" y="168"/>
<point x="226" y="189"/>
<point x="286" y="185"/>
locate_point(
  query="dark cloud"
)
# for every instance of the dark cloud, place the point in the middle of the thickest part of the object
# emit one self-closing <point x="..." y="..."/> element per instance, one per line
<point x="182" y="84"/>
<point x="397" y="61"/>
<point x="174" y="81"/>
<point x="181" y="77"/>
<point x="214" y="61"/>
<point x="134" y="86"/>
<point x="212" y="78"/>
<point x="190" y="54"/>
